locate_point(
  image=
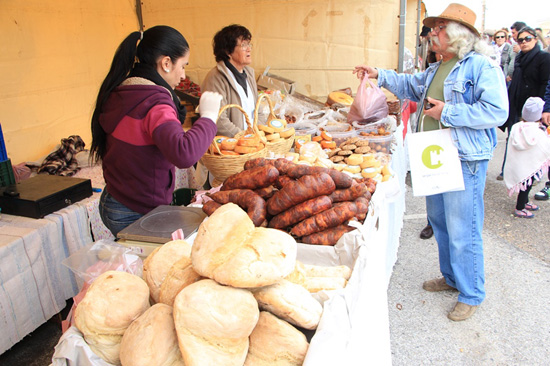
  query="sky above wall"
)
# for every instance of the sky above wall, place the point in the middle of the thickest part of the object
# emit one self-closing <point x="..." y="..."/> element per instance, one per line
<point x="500" y="13"/>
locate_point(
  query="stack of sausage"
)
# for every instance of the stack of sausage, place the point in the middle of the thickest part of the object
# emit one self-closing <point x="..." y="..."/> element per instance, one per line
<point x="312" y="203"/>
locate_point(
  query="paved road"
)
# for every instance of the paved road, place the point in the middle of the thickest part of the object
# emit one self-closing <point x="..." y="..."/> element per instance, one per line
<point x="512" y="326"/>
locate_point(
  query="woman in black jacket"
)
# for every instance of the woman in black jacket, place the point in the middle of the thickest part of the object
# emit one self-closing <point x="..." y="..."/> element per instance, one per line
<point x="531" y="74"/>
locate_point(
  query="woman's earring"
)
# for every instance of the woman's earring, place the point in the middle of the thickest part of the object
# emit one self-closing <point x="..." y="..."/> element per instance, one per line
<point x="166" y="70"/>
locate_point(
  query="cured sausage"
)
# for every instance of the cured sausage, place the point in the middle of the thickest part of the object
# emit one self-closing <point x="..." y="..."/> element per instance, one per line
<point x="210" y="206"/>
<point x="341" y="180"/>
<point x="362" y="204"/>
<point x="369" y="182"/>
<point x="303" y="189"/>
<point x="246" y="199"/>
<point x="300" y="212"/>
<point x="328" y="236"/>
<point x="265" y="192"/>
<point x="282" y="181"/>
<point x="281" y="164"/>
<point x="259" y="177"/>
<point x="349" y="194"/>
<point x="325" y="220"/>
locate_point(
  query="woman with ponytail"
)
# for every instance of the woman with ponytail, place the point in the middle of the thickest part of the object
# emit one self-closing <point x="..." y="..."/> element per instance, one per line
<point x="136" y="125"/>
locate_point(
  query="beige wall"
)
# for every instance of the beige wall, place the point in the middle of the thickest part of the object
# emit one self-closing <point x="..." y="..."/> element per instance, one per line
<point x="54" y="54"/>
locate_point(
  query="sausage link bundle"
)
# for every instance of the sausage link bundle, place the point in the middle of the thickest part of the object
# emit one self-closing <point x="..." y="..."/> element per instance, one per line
<point x="369" y="182"/>
<point x="259" y="177"/>
<point x="282" y="181"/>
<point x="324" y="220"/>
<point x="362" y="204"/>
<point x="349" y="194"/>
<point x="300" y="212"/>
<point x="327" y="237"/>
<point x="248" y="200"/>
<point x="210" y="206"/>
<point x="281" y="164"/>
<point x="341" y="180"/>
<point x="303" y="189"/>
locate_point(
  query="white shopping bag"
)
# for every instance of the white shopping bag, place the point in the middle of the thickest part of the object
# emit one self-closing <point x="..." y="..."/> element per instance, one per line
<point x="435" y="166"/>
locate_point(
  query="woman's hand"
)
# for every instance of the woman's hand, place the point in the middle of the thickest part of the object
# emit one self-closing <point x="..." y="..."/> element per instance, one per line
<point x="209" y="105"/>
<point x="436" y="110"/>
<point x="363" y="70"/>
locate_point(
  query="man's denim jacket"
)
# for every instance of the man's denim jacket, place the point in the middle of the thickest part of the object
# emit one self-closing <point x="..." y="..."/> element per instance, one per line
<point x="476" y="101"/>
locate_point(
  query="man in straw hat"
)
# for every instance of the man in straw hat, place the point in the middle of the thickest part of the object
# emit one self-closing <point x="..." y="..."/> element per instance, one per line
<point x="467" y="94"/>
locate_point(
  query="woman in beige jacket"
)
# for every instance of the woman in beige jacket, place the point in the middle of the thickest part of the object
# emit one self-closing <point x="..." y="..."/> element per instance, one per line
<point x="233" y="78"/>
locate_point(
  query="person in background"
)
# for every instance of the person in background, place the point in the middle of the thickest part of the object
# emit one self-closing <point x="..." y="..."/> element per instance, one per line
<point x="544" y="193"/>
<point x="540" y="39"/>
<point x="504" y="50"/>
<point x="514" y="29"/>
<point x="137" y="125"/>
<point x="471" y="110"/>
<point x="531" y="70"/>
<point x="528" y="155"/>
<point x="233" y="78"/>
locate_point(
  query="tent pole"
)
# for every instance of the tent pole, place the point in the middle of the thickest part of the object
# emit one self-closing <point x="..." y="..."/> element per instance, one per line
<point x="402" y="22"/>
<point x="417" y="46"/>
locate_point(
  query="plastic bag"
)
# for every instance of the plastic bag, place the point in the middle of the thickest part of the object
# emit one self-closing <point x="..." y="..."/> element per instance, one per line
<point x="369" y="105"/>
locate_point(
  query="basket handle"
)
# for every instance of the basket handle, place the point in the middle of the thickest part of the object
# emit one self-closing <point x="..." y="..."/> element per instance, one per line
<point x="269" y="103"/>
<point x="250" y="125"/>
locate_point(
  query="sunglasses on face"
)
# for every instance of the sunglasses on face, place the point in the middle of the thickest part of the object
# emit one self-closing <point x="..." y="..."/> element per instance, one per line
<point x="497" y="37"/>
<point x="526" y="39"/>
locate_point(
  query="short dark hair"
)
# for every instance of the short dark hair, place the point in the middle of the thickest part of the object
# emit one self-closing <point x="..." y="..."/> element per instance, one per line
<point x="225" y="40"/>
<point x="518" y="25"/>
<point x="529" y="30"/>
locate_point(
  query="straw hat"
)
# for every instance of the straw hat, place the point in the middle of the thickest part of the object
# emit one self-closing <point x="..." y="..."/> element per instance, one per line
<point x="457" y="13"/>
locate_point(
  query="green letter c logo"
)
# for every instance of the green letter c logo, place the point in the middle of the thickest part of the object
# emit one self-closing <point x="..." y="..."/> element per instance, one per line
<point x="431" y="157"/>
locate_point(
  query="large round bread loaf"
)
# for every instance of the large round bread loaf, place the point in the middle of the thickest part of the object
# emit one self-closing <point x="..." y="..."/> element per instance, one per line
<point x="213" y="323"/>
<point x="229" y="249"/>
<point x="274" y="342"/>
<point x="113" y="301"/>
<point x="151" y="339"/>
<point x="290" y="302"/>
<point x="180" y="275"/>
<point x="159" y="262"/>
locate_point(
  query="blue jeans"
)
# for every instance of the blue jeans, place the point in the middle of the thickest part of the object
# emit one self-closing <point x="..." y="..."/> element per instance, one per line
<point x="457" y="222"/>
<point x="114" y="214"/>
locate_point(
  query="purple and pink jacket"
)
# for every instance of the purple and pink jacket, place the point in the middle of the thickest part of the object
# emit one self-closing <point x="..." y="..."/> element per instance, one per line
<point x="145" y="142"/>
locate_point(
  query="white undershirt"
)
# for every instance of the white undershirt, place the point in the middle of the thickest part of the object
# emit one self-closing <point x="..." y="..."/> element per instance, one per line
<point x="247" y="101"/>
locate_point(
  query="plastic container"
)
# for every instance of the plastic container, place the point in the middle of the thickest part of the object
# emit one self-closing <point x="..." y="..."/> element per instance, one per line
<point x="6" y="173"/>
<point x="302" y="129"/>
<point x="340" y="136"/>
<point x="386" y="123"/>
<point x="379" y="144"/>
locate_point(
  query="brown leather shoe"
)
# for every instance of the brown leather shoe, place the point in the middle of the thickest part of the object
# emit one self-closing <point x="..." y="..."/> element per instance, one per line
<point x="427" y="232"/>
<point x="462" y="311"/>
<point x="437" y="284"/>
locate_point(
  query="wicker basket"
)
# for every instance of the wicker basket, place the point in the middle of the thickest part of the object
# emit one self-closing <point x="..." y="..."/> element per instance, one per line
<point x="222" y="166"/>
<point x="279" y="147"/>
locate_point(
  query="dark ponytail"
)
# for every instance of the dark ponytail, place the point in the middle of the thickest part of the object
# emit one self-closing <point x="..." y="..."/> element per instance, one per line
<point x="156" y="42"/>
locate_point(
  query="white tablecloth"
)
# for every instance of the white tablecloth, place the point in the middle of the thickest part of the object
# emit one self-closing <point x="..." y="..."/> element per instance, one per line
<point x="34" y="285"/>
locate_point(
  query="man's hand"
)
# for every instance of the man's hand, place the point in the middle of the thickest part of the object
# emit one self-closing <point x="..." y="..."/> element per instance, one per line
<point x="516" y="48"/>
<point x="363" y="70"/>
<point x="436" y="110"/>
<point x="545" y="118"/>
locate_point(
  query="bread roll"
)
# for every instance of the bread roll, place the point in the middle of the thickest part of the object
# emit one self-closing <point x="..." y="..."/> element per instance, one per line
<point x="274" y="342"/>
<point x="213" y="323"/>
<point x="113" y="301"/>
<point x="159" y="262"/>
<point x="181" y="274"/>
<point x="316" y="284"/>
<point x="298" y="275"/>
<point x="311" y="270"/>
<point x="290" y="302"/>
<point x="151" y="339"/>
<point x="229" y="249"/>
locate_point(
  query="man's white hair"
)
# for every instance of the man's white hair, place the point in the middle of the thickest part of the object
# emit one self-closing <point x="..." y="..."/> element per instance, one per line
<point x="462" y="40"/>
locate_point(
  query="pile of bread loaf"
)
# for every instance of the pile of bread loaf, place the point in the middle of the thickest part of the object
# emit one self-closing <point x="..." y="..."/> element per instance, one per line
<point x="237" y="296"/>
<point x="313" y="203"/>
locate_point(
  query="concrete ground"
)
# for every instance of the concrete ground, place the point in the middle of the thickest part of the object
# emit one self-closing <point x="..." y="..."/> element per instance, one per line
<point x="511" y="327"/>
